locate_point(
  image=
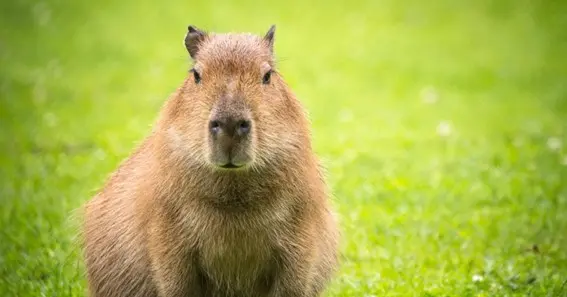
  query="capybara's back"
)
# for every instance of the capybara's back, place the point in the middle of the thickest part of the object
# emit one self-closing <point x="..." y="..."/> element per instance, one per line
<point x="225" y="197"/>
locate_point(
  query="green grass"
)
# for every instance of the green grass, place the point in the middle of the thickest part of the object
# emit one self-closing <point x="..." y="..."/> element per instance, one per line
<point x="422" y="213"/>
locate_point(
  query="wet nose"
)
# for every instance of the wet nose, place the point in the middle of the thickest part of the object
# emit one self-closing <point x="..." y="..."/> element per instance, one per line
<point x="231" y="127"/>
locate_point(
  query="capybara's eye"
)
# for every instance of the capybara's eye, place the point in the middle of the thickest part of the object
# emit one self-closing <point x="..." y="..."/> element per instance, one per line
<point x="267" y="76"/>
<point x="196" y="75"/>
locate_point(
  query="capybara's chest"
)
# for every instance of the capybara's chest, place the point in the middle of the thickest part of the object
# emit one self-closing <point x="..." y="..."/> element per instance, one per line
<point x="237" y="259"/>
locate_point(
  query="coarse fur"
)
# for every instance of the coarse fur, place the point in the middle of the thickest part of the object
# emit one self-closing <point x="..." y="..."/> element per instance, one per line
<point x="170" y="222"/>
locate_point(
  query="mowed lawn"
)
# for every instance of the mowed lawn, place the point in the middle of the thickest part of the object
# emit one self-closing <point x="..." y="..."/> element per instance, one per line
<point x="443" y="126"/>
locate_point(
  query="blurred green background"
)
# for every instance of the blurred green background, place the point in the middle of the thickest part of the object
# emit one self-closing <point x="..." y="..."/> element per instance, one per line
<point x="442" y="125"/>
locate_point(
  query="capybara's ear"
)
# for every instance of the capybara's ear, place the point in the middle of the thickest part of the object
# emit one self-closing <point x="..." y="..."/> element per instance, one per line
<point x="269" y="37"/>
<point x="193" y="40"/>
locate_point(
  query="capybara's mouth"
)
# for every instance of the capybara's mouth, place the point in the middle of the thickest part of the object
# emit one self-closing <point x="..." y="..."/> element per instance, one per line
<point x="230" y="166"/>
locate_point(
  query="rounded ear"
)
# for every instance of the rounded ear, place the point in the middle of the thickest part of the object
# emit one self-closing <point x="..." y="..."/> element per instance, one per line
<point x="193" y="40"/>
<point x="269" y="37"/>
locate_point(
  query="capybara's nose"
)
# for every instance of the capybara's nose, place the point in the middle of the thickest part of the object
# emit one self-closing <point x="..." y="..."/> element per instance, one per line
<point x="230" y="127"/>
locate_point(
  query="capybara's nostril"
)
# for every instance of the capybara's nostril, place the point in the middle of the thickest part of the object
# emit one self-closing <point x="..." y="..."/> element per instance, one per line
<point x="214" y="127"/>
<point x="243" y="127"/>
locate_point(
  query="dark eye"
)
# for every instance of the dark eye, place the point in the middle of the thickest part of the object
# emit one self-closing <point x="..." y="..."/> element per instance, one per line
<point x="196" y="76"/>
<point x="266" y="78"/>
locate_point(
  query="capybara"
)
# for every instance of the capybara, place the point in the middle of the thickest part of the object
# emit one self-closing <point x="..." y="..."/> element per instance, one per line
<point x="225" y="197"/>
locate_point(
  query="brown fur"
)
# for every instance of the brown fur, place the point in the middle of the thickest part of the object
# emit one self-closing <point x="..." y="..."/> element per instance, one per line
<point x="170" y="223"/>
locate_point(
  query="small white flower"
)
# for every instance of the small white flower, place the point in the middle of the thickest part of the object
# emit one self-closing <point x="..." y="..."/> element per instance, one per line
<point x="429" y="95"/>
<point x="554" y="143"/>
<point x="477" y="278"/>
<point x="444" y="129"/>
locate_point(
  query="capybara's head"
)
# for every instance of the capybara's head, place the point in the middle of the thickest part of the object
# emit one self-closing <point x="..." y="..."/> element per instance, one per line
<point x="235" y="110"/>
